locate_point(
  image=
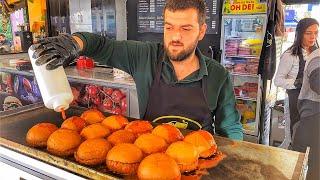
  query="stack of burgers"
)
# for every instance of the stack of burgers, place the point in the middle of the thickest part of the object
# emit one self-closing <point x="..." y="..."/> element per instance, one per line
<point x="127" y="148"/>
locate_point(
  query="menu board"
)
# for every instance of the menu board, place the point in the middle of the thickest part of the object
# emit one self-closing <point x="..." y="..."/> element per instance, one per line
<point x="150" y="19"/>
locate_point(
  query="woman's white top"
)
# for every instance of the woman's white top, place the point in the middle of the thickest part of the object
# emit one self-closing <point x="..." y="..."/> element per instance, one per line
<point x="288" y="70"/>
<point x="313" y="62"/>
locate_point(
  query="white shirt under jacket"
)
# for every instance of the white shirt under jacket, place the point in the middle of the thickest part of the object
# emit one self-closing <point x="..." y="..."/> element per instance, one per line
<point x="288" y="70"/>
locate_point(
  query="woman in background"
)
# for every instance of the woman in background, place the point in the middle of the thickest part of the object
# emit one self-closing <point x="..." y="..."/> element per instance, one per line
<point x="307" y="130"/>
<point x="290" y="70"/>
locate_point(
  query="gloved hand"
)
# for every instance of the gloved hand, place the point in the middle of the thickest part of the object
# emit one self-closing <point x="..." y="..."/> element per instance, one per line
<point x="56" y="51"/>
<point x="298" y="83"/>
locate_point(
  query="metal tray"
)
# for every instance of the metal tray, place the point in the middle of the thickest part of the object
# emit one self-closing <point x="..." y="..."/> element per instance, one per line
<point x="244" y="160"/>
<point x="13" y="130"/>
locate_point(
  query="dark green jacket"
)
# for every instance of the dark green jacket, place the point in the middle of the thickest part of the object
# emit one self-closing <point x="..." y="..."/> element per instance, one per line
<point x="139" y="60"/>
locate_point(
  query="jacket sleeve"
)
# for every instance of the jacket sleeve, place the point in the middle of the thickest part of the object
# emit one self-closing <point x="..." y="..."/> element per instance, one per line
<point x="285" y="65"/>
<point x="227" y="117"/>
<point x="124" y="55"/>
<point x="314" y="81"/>
<point x="313" y="72"/>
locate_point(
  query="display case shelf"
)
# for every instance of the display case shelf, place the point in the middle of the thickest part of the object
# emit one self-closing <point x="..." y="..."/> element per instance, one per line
<point x="246" y="98"/>
<point x="235" y="38"/>
<point x="244" y="74"/>
<point x="247" y="90"/>
<point x="243" y="56"/>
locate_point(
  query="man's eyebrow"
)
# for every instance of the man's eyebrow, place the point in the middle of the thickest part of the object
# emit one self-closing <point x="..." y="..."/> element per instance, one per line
<point x="187" y="25"/>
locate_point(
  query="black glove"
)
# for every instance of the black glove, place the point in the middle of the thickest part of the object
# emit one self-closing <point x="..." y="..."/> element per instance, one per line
<point x="298" y="83"/>
<point x="56" y="51"/>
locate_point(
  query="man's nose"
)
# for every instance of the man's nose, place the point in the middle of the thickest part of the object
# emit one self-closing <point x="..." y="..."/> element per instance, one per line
<point x="176" y="36"/>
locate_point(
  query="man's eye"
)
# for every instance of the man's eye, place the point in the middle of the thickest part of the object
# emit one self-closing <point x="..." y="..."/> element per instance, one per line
<point x="168" y="28"/>
<point x="187" y="29"/>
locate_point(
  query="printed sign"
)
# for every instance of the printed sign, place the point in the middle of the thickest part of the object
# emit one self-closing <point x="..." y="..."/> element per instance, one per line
<point x="244" y="7"/>
<point x="17" y="91"/>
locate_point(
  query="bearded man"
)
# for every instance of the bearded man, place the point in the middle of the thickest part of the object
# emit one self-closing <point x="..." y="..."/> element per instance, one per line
<point x="175" y="83"/>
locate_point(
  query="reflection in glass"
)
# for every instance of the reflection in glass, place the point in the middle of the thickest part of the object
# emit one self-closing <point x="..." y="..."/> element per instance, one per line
<point x="103" y="17"/>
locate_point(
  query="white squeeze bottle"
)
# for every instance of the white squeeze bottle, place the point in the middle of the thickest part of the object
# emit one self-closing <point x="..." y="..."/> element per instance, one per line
<point x="53" y="84"/>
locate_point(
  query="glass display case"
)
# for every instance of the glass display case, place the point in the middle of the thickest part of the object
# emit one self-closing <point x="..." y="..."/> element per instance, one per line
<point x="105" y="98"/>
<point x="247" y="89"/>
<point x="242" y="40"/>
<point x="91" y="88"/>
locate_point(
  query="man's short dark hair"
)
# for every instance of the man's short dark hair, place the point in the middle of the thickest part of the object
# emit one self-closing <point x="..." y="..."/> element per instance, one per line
<point x="2" y="35"/>
<point x="199" y="5"/>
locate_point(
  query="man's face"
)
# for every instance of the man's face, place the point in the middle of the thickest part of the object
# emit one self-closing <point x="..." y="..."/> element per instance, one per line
<point x="310" y="36"/>
<point x="182" y="33"/>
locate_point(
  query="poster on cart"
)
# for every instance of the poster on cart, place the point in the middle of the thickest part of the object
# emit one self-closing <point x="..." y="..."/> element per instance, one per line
<point x="17" y="91"/>
<point x="150" y="19"/>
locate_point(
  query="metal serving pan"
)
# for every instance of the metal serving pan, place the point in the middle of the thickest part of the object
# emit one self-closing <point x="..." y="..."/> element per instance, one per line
<point x="244" y="160"/>
<point x="13" y="130"/>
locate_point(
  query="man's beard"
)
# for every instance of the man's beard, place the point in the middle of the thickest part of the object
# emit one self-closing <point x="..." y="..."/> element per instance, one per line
<point x="184" y="54"/>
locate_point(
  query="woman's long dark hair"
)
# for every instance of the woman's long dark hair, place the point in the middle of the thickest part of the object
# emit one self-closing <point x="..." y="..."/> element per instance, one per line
<point x="303" y="24"/>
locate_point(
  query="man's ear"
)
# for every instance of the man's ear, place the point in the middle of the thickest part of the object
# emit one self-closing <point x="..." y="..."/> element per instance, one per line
<point x="203" y="29"/>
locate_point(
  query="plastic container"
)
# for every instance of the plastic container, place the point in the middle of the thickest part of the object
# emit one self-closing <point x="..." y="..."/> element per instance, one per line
<point x="53" y="84"/>
<point x="85" y="63"/>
